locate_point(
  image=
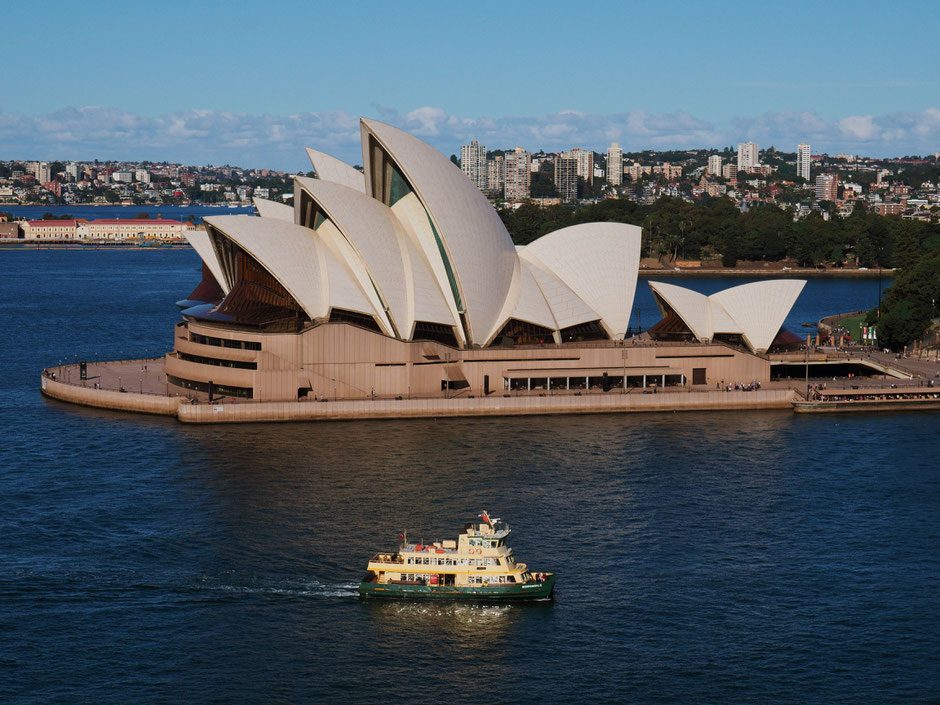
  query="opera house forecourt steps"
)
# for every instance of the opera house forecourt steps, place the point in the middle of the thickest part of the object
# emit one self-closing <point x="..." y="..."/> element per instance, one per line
<point x="396" y="291"/>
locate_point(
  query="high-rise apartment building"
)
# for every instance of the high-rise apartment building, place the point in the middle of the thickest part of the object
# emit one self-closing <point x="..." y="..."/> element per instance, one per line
<point x="494" y="174"/>
<point x="803" y="160"/>
<point x="72" y="170"/>
<point x="43" y="174"/>
<point x="566" y="176"/>
<point x="614" y="164"/>
<point x="585" y="159"/>
<point x="473" y="163"/>
<point x="516" y="176"/>
<point x="747" y="155"/>
<point x="714" y="165"/>
<point x="827" y="187"/>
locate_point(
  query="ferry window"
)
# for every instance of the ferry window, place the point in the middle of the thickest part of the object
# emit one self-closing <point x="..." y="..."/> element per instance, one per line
<point x="463" y="561"/>
<point x="510" y="579"/>
<point x="427" y="561"/>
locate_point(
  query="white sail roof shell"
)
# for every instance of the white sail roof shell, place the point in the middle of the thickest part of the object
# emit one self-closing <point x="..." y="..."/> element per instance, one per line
<point x="599" y="262"/>
<point x="567" y="308"/>
<point x="202" y="243"/>
<point x="756" y="311"/>
<point x="332" y="169"/>
<point x="691" y="306"/>
<point x="299" y="260"/>
<point x="760" y="308"/>
<point x="273" y="209"/>
<point x="480" y="250"/>
<point x="376" y="237"/>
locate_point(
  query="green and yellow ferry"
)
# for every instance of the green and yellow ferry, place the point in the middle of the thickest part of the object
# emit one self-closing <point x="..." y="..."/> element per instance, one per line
<point x="477" y="566"/>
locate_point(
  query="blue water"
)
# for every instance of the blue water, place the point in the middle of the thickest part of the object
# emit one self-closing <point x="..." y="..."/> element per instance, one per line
<point x="99" y="212"/>
<point x="735" y="557"/>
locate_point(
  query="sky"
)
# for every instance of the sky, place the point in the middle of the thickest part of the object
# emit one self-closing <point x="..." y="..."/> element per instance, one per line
<point x="252" y="84"/>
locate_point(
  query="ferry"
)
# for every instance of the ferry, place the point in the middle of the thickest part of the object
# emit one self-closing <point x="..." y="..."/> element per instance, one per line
<point x="477" y="566"/>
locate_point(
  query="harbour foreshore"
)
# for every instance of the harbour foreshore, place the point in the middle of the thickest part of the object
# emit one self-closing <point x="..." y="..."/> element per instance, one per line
<point x="63" y="383"/>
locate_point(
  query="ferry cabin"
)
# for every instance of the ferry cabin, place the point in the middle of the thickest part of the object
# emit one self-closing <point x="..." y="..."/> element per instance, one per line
<point x="479" y="558"/>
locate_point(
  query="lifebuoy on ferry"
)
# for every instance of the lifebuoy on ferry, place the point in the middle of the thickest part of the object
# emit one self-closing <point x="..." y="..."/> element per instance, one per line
<point x="419" y="547"/>
<point x="440" y="550"/>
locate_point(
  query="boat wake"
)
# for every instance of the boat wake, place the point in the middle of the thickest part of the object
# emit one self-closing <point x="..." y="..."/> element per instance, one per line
<point x="303" y="588"/>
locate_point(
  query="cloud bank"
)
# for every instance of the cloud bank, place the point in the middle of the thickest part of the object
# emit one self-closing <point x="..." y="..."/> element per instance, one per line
<point x="277" y="141"/>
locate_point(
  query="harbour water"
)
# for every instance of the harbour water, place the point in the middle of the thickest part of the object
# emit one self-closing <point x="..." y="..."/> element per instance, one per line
<point x="96" y="212"/>
<point x="739" y="557"/>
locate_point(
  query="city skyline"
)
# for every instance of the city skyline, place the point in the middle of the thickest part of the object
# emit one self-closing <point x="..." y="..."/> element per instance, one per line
<point x="243" y="87"/>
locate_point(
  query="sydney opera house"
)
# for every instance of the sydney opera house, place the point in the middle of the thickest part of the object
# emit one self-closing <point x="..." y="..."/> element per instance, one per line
<point x="400" y="281"/>
<point x="396" y="291"/>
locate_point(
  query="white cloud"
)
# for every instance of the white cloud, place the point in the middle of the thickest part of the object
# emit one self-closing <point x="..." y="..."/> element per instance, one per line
<point x="277" y="141"/>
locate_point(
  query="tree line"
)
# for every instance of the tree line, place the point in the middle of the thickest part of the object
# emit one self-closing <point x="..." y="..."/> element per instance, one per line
<point x="715" y="229"/>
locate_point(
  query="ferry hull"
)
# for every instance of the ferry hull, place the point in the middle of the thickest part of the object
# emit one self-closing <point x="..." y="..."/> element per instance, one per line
<point x="508" y="593"/>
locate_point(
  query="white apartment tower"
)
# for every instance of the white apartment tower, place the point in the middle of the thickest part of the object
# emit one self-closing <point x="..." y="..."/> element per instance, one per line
<point x="614" y="164"/>
<point x="516" y="175"/>
<point x="585" y="159"/>
<point x="714" y="165"/>
<point x="494" y="174"/>
<point x="473" y="163"/>
<point x="747" y="155"/>
<point x="44" y="174"/>
<point x="803" y="160"/>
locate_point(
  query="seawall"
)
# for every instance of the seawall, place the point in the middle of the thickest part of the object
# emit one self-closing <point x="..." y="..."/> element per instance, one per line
<point x="255" y="412"/>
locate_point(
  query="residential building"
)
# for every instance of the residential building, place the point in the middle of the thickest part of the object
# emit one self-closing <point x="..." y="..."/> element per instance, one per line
<point x="494" y="174"/>
<point x="517" y="179"/>
<point x="473" y="163"/>
<point x="614" y="164"/>
<point x="43" y="173"/>
<point x="803" y="159"/>
<point x="72" y="170"/>
<point x="566" y="176"/>
<point x="714" y="165"/>
<point x="585" y="159"/>
<point x="142" y="176"/>
<point x="747" y="155"/>
<point x="827" y="187"/>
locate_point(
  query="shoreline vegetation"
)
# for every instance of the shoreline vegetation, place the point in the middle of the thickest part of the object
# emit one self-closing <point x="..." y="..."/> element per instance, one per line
<point x="742" y="269"/>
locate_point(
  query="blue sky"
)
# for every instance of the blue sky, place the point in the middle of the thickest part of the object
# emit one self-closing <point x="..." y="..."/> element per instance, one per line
<point x="253" y="83"/>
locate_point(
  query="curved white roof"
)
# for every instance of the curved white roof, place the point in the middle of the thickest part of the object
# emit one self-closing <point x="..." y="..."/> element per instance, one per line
<point x="273" y="209"/>
<point x="376" y="238"/>
<point x="756" y="311"/>
<point x="332" y="169"/>
<point x="599" y="261"/>
<point x="760" y="308"/>
<point x="691" y="306"/>
<point x="202" y="243"/>
<point x="568" y="309"/>
<point x="480" y="250"/>
<point x="294" y="256"/>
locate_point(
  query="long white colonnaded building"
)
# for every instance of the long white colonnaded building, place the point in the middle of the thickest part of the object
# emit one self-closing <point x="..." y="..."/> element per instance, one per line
<point x="400" y="283"/>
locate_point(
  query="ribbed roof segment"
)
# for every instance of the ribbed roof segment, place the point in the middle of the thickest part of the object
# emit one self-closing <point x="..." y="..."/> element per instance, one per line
<point x="293" y="255"/>
<point x="273" y="209"/>
<point x="599" y="261"/>
<point x="332" y="169"/>
<point x="375" y="235"/>
<point x="202" y="243"/>
<point x="756" y="311"/>
<point x="480" y="250"/>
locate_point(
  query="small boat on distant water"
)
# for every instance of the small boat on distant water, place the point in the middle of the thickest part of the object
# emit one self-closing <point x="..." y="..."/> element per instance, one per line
<point x="477" y="566"/>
